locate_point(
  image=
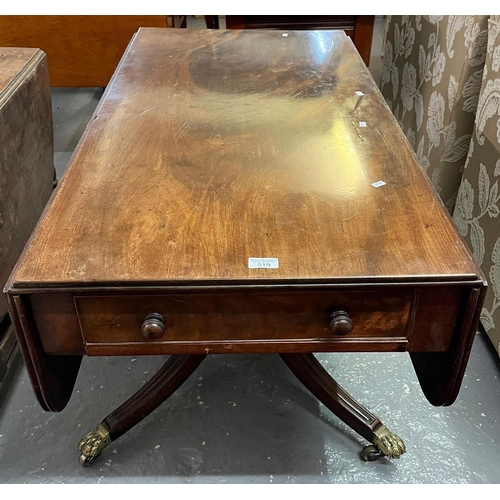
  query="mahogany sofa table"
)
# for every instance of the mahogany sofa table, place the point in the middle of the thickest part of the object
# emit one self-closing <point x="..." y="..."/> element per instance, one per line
<point x="244" y="192"/>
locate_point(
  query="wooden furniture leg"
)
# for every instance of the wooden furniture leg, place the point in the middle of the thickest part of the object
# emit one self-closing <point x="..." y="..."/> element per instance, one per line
<point x="212" y="22"/>
<point x="315" y="378"/>
<point x="162" y="385"/>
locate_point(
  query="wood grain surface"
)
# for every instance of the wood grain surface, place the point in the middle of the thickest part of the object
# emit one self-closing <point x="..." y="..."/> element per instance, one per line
<point x="82" y="51"/>
<point x="211" y="147"/>
<point x="378" y="316"/>
<point x="12" y="62"/>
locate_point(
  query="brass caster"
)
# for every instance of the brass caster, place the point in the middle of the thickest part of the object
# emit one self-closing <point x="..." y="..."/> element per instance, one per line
<point x="370" y="454"/>
<point x="387" y="443"/>
<point x="92" y="444"/>
<point x="85" y="460"/>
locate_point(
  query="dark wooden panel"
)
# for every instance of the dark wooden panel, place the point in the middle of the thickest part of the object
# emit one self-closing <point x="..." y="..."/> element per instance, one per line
<point x="290" y="22"/>
<point x="83" y="51"/>
<point x="8" y="348"/>
<point x="363" y="35"/>
<point x="440" y="373"/>
<point x="436" y="317"/>
<point x="52" y="377"/>
<point x="57" y="323"/>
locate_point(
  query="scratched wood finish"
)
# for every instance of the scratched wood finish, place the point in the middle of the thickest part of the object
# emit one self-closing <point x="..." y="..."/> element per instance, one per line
<point x="82" y="51"/>
<point x="211" y="147"/>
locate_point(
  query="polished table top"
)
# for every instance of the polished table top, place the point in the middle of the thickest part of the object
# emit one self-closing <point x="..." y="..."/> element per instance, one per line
<point x="213" y="147"/>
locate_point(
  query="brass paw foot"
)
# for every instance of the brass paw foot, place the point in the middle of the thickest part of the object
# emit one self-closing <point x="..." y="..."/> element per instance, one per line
<point x="388" y="443"/>
<point x="92" y="444"/>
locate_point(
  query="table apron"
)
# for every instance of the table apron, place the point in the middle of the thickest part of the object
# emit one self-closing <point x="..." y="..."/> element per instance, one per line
<point x="385" y="319"/>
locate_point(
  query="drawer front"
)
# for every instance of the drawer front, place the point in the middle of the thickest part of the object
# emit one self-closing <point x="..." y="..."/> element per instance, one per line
<point x="208" y="319"/>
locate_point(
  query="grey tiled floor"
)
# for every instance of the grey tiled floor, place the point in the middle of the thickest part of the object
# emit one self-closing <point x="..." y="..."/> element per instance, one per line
<point x="244" y="418"/>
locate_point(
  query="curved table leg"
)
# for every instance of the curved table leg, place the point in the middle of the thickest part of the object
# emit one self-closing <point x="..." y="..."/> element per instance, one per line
<point x="163" y="384"/>
<point x="315" y="378"/>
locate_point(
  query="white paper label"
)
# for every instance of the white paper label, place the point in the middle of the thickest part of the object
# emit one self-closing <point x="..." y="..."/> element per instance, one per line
<point x="263" y="262"/>
<point x="362" y="124"/>
<point x="378" y="184"/>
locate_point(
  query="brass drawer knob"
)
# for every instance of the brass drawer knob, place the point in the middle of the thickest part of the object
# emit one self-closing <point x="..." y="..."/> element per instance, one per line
<point x="341" y="323"/>
<point x="153" y="327"/>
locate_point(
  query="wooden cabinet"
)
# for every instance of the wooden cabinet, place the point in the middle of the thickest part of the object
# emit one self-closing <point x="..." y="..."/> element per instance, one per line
<point x="26" y="164"/>
<point x="82" y="51"/>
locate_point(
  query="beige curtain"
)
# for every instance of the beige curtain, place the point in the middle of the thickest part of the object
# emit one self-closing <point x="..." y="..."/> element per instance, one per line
<point x="477" y="209"/>
<point x="441" y="78"/>
<point x="431" y="76"/>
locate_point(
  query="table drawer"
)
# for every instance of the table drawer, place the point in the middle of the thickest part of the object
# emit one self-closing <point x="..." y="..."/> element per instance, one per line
<point x="211" y="318"/>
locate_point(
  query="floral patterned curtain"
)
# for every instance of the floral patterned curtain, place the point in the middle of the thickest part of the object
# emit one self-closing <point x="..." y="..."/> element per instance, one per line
<point x="441" y="78"/>
<point x="431" y="77"/>
<point x="477" y="209"/>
